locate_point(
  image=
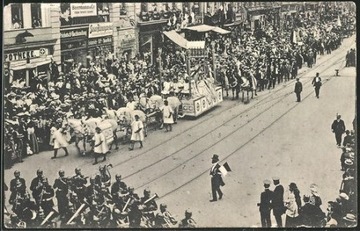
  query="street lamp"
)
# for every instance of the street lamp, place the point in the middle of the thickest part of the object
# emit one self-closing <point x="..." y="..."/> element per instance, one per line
<point x="160" y="68"/>
<point x="213" y="58"/>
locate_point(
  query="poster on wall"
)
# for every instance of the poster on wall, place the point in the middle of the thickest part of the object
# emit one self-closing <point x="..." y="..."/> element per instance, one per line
<point x="83" y="9"/>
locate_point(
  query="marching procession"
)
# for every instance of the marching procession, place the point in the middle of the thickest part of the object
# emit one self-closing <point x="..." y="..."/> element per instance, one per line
<point x="79" y="204"/>
<point x="125" y="100"/>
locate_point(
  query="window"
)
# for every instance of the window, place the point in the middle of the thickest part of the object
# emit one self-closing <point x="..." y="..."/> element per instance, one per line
<point x="144" y="7"/>
<point x="17" y="16"/>
<point x="123" y="10"/>
<point x="36" y="15"/>
<point x="103" y="8"/>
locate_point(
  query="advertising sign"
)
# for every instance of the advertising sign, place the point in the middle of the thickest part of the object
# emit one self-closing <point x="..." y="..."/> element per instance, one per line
<point x="100" y="29"/>
<point x="83" y="9"/>
<point x="23" y="55"/>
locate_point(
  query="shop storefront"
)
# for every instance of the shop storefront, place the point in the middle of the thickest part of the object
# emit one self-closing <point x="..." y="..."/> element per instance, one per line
<point x="29" y="61"/>
<point x="150" y="39"/>
<point x="86" y="44"/>
<point x="73" y="46"/>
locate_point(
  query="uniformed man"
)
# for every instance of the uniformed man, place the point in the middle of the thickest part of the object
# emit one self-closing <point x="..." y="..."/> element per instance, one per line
<point x="93" y="193"/>
<point x="118" y="189"/>
<point x="298" y="90"/>
<point x="37" y="186"/>
<point x="163" y="218"/>
<point x="148" y="208"/>
<point x="17" y="184"/>
<point x="278" y="201"/>
<point x="134" y="215"/>
<point x="265" y="205"/>
<point x="216" y="179"/>
<point x="62" y="188"/>
<point x="79" y="182"/>
<point x="46" y="197"/>
<point x="187" y="222"/>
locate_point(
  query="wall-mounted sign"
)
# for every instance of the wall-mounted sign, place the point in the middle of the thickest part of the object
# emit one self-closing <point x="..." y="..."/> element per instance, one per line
<point x="100" y="29"/>
<point x="83" y="9"/>
<point x="127" y="42"/>
<point x="99" y="41"/>
<point x="23" y="55"/>
<point x="73" y="33"/>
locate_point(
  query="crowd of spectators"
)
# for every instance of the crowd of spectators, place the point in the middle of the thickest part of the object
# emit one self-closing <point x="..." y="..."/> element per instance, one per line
<point x="268" y="54"/>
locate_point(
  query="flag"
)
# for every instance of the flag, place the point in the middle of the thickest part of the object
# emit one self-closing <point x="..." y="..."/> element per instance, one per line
<point x="225" y="169"/>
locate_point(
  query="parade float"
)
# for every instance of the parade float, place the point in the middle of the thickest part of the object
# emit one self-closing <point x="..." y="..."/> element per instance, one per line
<point x="202" y="93"/>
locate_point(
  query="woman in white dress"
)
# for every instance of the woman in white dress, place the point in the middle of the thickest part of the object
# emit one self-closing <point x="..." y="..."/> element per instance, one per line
<point x="137" y="134"/>
<point x="59" y="141"/>
<point x="167" y="116"/>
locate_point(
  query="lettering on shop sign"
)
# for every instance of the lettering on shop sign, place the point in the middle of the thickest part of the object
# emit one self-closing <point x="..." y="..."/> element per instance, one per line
<point x="127" y="42"/>
<point x="100" y="29"/>
<point x="73" y="33"/>
<point x="23" y="55"/>
<point x="83" y="9"/>
<point x="99" y="41"/>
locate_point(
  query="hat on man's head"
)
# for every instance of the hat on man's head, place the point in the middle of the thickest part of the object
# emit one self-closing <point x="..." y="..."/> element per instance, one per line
<point x="215" y="157"/>
<point x="276" y="178"/>
<point x="350" y="217"/>
<point x="344" y="196"/>
<point x="267" y="183"/>
<point x="349" y="162"/>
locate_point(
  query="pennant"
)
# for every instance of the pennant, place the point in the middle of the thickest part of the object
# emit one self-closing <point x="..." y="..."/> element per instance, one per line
<point x="225" y="168"/>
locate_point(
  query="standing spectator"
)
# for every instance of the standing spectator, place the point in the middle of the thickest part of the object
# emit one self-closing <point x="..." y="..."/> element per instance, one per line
<point x="137" y="132"/>
<point x="298" y="90"/>
<point x="315" y="197"/>
<point x="338" y="127"/>
<point x="292" y="211"/>
<point x="294" y="190"/>
<point x="265" y="205"/>
<point x="310" y="215"/>
<point x="347" y="139"/>
<point x="59" y="141"/>
<point x="167" y="116"/>
<point x="100" y="145"/>
<point x="278" y="201"/>
<point x="33" y="141"/>
<point x="317" y="84"/>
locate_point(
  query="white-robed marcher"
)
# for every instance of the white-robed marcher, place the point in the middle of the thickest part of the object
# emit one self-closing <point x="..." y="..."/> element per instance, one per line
<point x="59" y="141"/>
<point x="168" y="119"/>
<point x="137" y="133"/>
<point x="100" y="145"/>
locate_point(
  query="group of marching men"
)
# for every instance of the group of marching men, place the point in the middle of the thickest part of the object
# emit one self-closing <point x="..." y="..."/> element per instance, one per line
<point x="82" y="205"/>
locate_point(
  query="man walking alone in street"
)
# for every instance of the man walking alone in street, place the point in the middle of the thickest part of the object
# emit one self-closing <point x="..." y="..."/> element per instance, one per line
<point x="298" y="89"/>
<point x="216" y="179"/>
<point x="317" y="84"/>
<point x="338" y="127"/>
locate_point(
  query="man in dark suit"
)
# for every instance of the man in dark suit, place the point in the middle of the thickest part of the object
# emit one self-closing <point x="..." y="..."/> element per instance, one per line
<point x="265" y="205"/>
<point x="17" y="184"/>
<point x="317" y="84"/>
<point x="338" y="127"/>
<point x="278" y="201"/>
<point x="216" y="179"/>
<point x="298" y="89"/>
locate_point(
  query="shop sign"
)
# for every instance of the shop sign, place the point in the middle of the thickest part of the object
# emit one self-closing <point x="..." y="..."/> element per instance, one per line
<point x="128" y="42"/>
<point x="73" y="33"/>
<point x="99" y="41"/>
<point x="100" y="29"/>
<point x="23" y="55"/>
<point x="83" y="9"/>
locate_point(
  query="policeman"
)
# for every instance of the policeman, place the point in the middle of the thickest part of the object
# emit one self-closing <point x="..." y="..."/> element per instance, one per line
<point x="187" y="222"/>
<point x="93" y="193"/>
<point x="46" y="197"/>
<point x="79" y="182"/>
<point x="62" y="188"/>
<point x="265" y="205"/>
<point x="37" y="186"/>
<point x="17" y="196"/>
<point x="135" y="215"/>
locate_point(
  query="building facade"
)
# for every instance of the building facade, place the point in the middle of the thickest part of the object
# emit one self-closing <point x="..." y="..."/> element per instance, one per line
<point x="31" y="40"/>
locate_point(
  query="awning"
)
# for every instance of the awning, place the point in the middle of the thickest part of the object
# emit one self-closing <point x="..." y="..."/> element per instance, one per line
<point x="176" y="38"/>
<point x="15" y="66"/>
<point x="206" y="28"/>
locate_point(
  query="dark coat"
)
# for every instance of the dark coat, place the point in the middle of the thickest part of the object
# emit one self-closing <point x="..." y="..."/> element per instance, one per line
<point x="338" y="126"/>
<point x="298" y="87"/>
<point x="316" y="84"/>
<point x="216" y="179"/>
<point x="14" y="188"/>
<point x="311" y="215"/>
<point x="265" y="200"/>
<point x="278" y="200"/>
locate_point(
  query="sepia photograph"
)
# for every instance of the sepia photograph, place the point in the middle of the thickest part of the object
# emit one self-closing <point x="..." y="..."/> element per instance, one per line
<point x="179" y="115"/>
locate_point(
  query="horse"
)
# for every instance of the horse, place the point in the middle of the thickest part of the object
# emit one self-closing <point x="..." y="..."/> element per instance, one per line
<point x="248" y="86"/>
<point x="151" y="107"/>
<point x="85" y="130"/>
<point x="175" y="104"/>
<point x="127" y="116"/>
